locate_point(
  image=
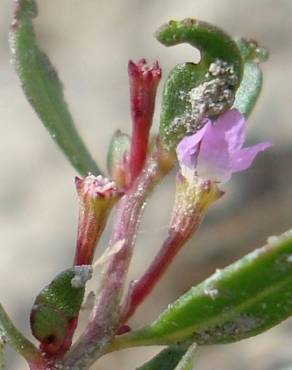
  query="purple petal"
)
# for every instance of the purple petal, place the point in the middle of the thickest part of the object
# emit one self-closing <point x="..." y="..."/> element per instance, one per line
<point x="243" y="159"/>
<point x="187" y="147"/>
<point x="232" y="125"/>
<point x="213" y="158"/>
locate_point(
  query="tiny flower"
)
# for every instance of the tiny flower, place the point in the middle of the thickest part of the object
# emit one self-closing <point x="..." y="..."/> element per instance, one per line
<point x="215" y="151"/>
<point x="144" y="79"/>
<point x="97" y="197"/>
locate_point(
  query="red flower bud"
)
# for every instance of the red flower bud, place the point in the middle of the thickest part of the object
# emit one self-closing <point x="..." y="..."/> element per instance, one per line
<point x="144" y="79"/>
<point x="97" y="197"/>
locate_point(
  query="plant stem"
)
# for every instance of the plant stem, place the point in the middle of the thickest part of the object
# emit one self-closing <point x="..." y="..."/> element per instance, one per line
<point x="105" y="317"/>
<point x="191" y="203"/>
<point x="141" y="288"/>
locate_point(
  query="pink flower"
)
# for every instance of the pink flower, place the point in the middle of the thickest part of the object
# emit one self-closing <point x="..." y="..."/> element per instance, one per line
<point x="215" y="151"/>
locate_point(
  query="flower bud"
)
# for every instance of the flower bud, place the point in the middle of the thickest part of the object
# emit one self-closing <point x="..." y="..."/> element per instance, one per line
<point x="97" y="197"/>
<point x="144" y="79"/>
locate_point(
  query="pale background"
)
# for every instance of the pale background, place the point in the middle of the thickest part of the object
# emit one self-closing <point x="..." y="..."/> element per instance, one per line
<point x="90" y="42"/>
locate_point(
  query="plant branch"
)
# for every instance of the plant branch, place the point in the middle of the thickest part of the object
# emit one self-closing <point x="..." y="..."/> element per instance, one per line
<point x="105" y="316"/>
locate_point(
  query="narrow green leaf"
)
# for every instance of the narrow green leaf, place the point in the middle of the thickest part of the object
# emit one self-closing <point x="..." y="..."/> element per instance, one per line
<point x="187" y="362"/>
<point x="251" y="84"/>
<point x="194" y="91"/>
<point x="242" y="300"/>
<point x="16" y="340"/>
<point x="167" y="359"/>
<point x="43" y="88"/>
<point x="2" y="345"/>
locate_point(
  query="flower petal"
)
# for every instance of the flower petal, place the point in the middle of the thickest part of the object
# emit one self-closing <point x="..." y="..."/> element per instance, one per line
<point x="243" y="159"/>
<point x="187" y="147"/>
<point x="213" y="158"/>
<point x="232" y="125"/>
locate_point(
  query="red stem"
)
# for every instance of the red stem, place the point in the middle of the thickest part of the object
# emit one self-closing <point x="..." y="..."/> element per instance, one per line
<point x="141" y="288"/>
<point x="192" y="201"/>
<point x="105" y="316"/>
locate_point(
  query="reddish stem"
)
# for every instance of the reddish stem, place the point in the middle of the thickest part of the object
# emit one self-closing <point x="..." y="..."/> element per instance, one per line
<point x="141" y="288"/>
<point x="105" y="316"/>
<point x="192" y="200"/>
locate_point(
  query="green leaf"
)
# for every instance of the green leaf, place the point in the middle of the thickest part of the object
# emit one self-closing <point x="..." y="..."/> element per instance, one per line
<point x="251" y="84"/>
<point x="167" y="359"/>
<point x="194" y="91"/>
<point x="43" y="88"/>
<point x="187" y="362"/>
<point x="242" y="300"/>
<point x="55" y="310"/>
<point x="2" y="345"/>
<point x="117" y="157"/>
<point x="10" y="335"/>
<point x="62" y="294"/>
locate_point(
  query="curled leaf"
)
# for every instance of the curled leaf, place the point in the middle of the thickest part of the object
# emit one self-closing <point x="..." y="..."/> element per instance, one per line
<point x="193" y="92"/>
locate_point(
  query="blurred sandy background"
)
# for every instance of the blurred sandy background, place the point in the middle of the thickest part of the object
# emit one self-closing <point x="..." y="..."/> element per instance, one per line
<point x="90" y="42"/>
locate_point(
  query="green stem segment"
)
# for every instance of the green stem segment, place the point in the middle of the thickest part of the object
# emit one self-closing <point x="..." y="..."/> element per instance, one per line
<point x="44" y="90"/>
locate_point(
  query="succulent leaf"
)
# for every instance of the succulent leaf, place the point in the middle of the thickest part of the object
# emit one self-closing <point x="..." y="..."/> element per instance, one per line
<point x="56" y="308"/>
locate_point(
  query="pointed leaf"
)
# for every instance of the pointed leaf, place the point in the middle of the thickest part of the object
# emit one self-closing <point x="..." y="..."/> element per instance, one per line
<point x="251" y="84"/>
<point x="167" y="359"/>
<point x="43" y="88"/>
<point x="242" y="300"/>
<point x="182" y="105"/>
